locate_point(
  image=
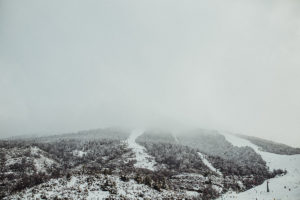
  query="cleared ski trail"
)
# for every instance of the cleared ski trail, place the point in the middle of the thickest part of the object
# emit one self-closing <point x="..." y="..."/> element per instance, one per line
<point x="208" y="164"/>
<point x="285" y="187"/>
<point x="143" y="160"/>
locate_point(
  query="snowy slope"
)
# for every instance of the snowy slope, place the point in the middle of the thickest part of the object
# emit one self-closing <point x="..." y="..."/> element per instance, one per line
<point x="34" y="154"/>
<point x="208" y="164"/>
<point x="41" y="162"/>
<point x="285" y="187"/>
<point x="143" y="160"/>
<point x="95" y="187"/>
<point x="76" y="188"/>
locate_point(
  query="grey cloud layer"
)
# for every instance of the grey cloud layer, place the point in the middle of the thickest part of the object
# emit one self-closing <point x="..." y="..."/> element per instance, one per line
<point x="69" y="65"/>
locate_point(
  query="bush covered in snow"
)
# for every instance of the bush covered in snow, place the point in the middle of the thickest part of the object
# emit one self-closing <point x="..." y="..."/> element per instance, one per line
<point x="106" y="163"/>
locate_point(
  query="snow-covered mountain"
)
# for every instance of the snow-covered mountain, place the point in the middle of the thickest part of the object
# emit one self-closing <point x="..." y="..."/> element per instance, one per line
<point x="148" y="164"/>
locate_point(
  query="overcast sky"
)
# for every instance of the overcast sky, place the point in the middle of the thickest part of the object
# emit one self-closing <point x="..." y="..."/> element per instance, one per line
<point x="227" y="65"/>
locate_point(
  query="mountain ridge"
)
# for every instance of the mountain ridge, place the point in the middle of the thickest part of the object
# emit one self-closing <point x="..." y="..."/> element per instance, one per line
<point x="202" y="164"/>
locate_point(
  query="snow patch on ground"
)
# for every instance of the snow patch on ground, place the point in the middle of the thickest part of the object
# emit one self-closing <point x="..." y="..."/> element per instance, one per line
<point x="285" y="187"/>
<point x="12" y="161"/>
<point x="208" y="164"/>
<point x="14" y="156"/>
<point x="92" y="187"/>
<point x="76" y="188"/>
<point x="41" y="162"/>
<point x="98" y="194"/>
<point x="192" y="193"/>
<point x="239" y="142"/>
<point x="143" y="160"/>
<point x="79" y="153"/>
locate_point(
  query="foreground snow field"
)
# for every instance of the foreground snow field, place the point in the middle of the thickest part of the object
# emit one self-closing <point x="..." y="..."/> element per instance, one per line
<point x="286" y="187"/>
<point x="95" y="188"/>
<point x="143" y="160"/>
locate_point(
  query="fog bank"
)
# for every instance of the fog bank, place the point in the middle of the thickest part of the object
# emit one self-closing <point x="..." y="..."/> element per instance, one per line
<point x="227" y="65"/>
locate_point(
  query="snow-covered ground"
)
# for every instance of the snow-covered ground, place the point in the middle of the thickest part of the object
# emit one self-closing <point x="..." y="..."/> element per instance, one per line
<point x="92" y="188"/>
<point x="78" y="187"/>
<point x="79" y="153"/>
<point x="208" y="164"/>
<point x="285" y="187"/>
<point x="41" y="163"/>
<point x="143" y="160"/>
<point x="36" y="155"/>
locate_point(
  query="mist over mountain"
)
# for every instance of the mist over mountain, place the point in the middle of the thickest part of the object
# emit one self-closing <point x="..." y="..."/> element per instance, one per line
<point x="68" y="66"/>
<point x="138" y="99"/>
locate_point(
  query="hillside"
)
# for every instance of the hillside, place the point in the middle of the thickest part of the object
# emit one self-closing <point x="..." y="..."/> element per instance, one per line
<point x="270" y="146"/>
<point x="138" y="164"/>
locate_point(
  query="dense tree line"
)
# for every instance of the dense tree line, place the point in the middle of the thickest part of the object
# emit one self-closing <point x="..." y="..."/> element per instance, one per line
<point x="98" y="156"/>
<point x="272" y="147"/>
<point x="241" y="160"/>
<point x="231" y="161"/>
<point x="177" y="157"/>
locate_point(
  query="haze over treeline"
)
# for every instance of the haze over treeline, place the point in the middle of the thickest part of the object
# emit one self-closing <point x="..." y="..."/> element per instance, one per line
<point x="228" y="65"/>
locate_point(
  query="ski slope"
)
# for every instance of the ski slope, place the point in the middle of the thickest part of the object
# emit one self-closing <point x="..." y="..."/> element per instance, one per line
<point x="208" y="164"/>
<point x="286" y="187"/>
<point x="143" y="160"/>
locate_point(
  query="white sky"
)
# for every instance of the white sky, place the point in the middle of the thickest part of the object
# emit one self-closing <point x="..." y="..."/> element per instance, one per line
<point x="229" y="65"/>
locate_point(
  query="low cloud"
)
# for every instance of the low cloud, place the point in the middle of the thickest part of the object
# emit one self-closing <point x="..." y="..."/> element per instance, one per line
<point x="71" y="65"/>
